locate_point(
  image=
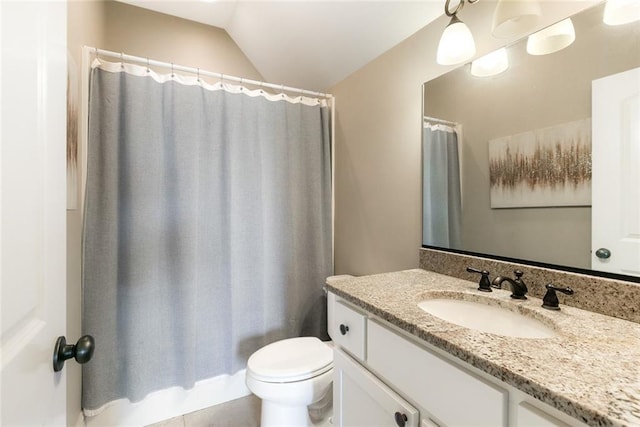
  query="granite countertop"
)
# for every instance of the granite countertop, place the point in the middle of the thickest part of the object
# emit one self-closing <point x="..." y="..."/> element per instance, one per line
<point x="590" y="371"/>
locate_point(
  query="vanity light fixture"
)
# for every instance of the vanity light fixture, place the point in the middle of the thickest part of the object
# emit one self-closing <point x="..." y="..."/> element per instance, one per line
<point x="515" y="18"/>
<point x="491" y="64"/>
<point x="620" y="12"/>
<point x="551" y="39"/>
<point x="456" y="43"/>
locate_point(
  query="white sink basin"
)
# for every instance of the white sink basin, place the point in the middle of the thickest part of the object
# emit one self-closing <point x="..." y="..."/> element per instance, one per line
<point x="486" y="318"/>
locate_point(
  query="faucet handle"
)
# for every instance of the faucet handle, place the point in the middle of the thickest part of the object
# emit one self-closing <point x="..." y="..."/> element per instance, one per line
<point x="550" y="300"/>
<point x="518" y="274"/>
<point x="485" y="284"/>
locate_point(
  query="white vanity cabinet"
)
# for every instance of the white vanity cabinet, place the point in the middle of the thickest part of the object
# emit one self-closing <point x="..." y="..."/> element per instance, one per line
<point x="450" y="395"/>
<point x="528" y="415"/>
<point x="383" y="377"/>
<point x="347" y="328"/>
<point x="361" y="399"/>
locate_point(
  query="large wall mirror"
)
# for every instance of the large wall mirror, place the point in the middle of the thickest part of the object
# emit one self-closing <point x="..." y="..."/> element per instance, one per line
<point x="507" y="158"/>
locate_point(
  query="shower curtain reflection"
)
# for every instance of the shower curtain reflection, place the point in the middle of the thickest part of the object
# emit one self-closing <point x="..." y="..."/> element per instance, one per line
<point x="207" y="228"/>
<point x="441" y="200"/>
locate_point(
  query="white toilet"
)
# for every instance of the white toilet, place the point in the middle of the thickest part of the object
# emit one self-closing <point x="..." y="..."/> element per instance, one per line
<point x="289" y="376"/>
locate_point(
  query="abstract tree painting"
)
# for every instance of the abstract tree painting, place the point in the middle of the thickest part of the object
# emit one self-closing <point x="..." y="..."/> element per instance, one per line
<point x="544" y="167"/>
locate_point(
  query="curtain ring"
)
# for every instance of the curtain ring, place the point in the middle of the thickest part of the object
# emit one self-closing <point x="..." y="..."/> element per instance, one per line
<point x="241" y="87"/>
<point x="148" y="69"/>
<point x="121" y="60"/>
<point x="173" y="74"/>
<point x="198" y="75"/>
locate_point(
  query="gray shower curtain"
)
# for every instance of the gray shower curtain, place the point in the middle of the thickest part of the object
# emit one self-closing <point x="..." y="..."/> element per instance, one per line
<point x="207" y="231"/>
<point x="441" y="198"/>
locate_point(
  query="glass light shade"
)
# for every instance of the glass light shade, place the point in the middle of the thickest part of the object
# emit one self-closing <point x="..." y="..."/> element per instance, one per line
<point x="515" y="18"/>
<point x="620" y="12"/>
<point x="490" y="65"/>
<point x="551" y="39"/>
<point x="456" y="44"/>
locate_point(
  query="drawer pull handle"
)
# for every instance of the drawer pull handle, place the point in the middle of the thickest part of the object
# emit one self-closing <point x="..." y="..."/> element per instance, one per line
<point x="401" y="419"/>
<point x="344" y="329"/>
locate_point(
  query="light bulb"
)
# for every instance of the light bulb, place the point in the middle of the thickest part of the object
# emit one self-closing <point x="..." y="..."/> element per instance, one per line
<point x="492" y="64"/>
<point x="515" y="18"/>
<point x="456" y="44"/>
<point x="620" y="12"/>
<point x="551" y="39"/>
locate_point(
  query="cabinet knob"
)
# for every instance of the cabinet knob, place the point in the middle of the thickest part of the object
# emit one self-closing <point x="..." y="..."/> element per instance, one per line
<point x="344" y="329"/>
<point x="400" y="418"/>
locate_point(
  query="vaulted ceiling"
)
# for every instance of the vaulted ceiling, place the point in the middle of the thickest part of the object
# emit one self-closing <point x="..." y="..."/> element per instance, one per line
<point x="311" y="44"/>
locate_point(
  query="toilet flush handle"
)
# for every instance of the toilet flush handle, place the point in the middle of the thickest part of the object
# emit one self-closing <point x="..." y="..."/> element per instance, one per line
<point x="344" y="329"/>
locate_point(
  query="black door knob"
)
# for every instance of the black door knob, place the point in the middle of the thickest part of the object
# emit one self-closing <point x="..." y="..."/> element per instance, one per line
<point x="603" y="253"/>
<point x="400" y="418"/>
<point x="82" y="351"/>
<point x="344" y="329"/>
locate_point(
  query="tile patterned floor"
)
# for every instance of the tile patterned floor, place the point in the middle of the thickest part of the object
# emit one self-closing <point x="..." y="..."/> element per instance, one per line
<point x="244" y="412"/>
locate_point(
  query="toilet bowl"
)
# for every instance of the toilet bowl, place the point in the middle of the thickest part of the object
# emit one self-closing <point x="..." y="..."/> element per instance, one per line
<point x="289" y="376"/>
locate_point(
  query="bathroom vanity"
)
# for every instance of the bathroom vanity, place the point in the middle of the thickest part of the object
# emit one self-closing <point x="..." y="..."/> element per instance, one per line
<point x="397" y="364"/>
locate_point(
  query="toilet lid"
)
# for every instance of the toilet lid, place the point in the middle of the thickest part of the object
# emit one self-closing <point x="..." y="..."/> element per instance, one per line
<point x="290" y="360"/>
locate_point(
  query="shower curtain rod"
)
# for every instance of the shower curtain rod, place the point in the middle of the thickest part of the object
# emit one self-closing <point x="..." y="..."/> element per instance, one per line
<point x="433" y="119"/>
<point x="174" y="67"/>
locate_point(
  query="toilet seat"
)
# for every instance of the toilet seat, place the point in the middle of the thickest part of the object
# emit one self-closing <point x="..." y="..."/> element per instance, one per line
<point x="290" y="360"/>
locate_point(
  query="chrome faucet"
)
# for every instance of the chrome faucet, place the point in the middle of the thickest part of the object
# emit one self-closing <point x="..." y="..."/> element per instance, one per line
<point x="518" y="288"/>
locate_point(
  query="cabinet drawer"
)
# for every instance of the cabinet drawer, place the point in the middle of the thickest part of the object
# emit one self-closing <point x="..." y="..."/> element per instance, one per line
<point x="453" y="397"/>
<point x="361" y="400"/>
<point x="530" y="416"/>
<point x="347" y="328"/>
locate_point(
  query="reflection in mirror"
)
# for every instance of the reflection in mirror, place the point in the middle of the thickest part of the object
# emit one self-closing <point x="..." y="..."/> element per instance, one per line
<point x="540" y="109"/>
<point x="441" y="199"/>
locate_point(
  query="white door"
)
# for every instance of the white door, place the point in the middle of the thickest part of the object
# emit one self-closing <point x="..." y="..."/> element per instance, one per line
<point x="32" y="221"/>
<point x="616" y="173"/>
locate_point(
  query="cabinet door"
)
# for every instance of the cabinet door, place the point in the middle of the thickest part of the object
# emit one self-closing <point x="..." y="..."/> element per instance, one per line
<point x="362" y="400"/>
<point x="530" y="416"/>
<point x="453" y="396"/>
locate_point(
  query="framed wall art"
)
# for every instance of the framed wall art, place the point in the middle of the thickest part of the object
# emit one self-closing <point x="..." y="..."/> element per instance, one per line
<point x="541" y="168"/>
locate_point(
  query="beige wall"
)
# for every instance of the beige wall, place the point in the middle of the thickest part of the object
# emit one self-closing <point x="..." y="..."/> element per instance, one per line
<point x="534" y="93"/>
<point x="378" y="132"/>
<point x="122" y="28"/>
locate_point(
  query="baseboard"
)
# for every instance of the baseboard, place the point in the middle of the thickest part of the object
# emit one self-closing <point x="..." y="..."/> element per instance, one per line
<point x="170" y="403"/>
